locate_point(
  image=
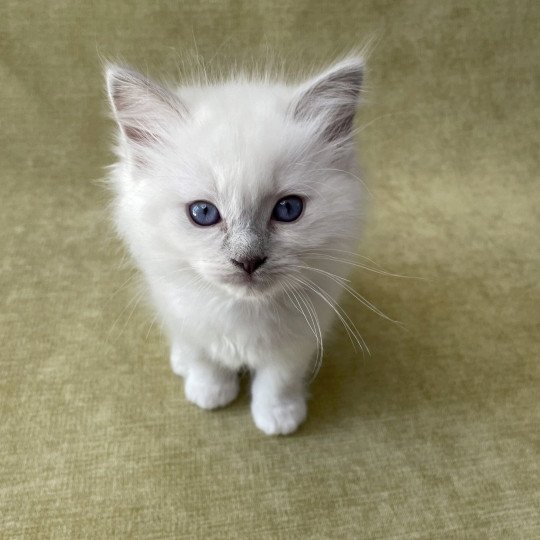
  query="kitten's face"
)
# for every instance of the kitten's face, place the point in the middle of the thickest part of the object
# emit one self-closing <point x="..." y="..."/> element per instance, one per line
<point x="238" y="182"/>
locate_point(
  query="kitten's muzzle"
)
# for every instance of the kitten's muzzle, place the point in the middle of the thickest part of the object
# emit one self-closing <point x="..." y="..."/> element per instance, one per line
<point x="249" y="265"/>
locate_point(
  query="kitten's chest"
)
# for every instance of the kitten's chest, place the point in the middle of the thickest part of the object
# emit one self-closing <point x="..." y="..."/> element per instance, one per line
<point x="235" y="333"/>
<point x="240" y="335"/>
<point x="238" y="338"/>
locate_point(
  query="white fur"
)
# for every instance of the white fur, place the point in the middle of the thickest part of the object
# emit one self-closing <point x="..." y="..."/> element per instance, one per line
<point x="242" y="145"/>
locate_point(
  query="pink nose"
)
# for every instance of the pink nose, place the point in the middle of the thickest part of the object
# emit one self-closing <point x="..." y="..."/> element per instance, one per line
<point x="249" y="265"/>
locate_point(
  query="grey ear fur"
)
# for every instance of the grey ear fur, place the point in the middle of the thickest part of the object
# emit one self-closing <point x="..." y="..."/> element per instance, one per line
<point x="332" y="99"/>
<point x="141" y="106"/>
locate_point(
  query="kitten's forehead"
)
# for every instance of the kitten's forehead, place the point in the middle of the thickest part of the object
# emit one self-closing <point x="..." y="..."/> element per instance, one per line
<point x="243" y="136"/>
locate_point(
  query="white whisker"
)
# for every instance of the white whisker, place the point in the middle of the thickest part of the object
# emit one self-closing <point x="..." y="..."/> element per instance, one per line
<point x="322" y="256"/>
<point x="354" y="335"/>
<point x="353" y="292"/>
<point x="314" y="326"/>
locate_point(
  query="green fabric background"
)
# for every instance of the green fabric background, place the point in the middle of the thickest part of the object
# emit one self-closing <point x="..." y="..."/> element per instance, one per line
<point x="435" y="435"/>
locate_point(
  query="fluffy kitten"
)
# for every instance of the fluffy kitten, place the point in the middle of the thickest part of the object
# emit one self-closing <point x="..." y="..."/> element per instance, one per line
<point x="233" y="199"/>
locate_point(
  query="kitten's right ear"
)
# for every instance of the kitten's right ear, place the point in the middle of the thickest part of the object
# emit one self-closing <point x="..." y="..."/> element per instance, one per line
<point x="141" y="107"/>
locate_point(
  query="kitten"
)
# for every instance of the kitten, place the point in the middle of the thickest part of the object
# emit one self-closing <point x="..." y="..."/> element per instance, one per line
<point x="234" y="199"/>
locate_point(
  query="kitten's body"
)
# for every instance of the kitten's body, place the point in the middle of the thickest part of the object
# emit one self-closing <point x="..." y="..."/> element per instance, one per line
<point x="242" y="146"/>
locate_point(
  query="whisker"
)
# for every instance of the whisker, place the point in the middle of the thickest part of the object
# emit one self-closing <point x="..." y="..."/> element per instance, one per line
<point x="133" y="275"/>
<point x="356" y="332"/>
<point x="151" y="326"/>
<point x="319" y="358"/>
<point x="354" y="293"/>
<point x="338" y="311"/>
<point x="354" y="254"/>
<point x="135" y="300"/>
<point x="359" y="265"/>
<point x="316" y="329"/>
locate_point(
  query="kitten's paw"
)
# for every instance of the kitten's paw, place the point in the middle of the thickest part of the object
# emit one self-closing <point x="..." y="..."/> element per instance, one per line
<point x="279" y="418"/>
<point x="211" y="392"/>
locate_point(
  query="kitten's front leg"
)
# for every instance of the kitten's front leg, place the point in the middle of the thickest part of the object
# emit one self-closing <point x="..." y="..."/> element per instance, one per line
<point x="278" y="404"/>
<point x="206" y="383"/>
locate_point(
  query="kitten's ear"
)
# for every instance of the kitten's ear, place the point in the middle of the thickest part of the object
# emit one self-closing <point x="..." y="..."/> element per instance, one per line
<point x="331" y="99"/>
<point x="141" y="107"/>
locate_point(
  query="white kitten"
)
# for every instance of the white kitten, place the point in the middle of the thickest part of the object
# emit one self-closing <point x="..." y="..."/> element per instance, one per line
<point x="232" y="198"/>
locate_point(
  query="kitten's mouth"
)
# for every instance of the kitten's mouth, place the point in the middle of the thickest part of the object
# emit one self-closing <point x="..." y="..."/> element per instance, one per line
<point x="248" y="285"/>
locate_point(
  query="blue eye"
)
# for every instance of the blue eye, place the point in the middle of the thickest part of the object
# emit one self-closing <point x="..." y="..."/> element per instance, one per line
<point x="204" y="213"/>
<point x="288" y="209"/>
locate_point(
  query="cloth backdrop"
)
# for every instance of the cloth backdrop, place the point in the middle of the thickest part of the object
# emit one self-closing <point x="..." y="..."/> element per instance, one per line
<point x="434" y="435"/>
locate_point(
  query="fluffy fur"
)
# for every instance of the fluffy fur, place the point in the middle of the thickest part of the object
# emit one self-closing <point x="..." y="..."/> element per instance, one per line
<point x="241" y="144"/>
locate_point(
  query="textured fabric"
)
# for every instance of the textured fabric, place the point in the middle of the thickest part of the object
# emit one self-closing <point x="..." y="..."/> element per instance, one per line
<point x="436" y="434"/>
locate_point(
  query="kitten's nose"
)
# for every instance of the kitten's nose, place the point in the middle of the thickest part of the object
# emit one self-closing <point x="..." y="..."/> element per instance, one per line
<point x="249" y="265"/>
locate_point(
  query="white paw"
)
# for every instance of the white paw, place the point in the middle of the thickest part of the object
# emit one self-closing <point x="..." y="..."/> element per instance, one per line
<point x="211" y="392"/>
<point x="279" y="418"/>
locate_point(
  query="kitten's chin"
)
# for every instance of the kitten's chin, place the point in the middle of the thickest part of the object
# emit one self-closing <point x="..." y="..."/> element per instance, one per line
<point x="249" y="289"/>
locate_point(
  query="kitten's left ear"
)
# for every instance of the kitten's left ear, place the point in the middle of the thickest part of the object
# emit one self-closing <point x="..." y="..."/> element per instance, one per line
<point x="331" y="99"/>
<point x="143" y="108"/>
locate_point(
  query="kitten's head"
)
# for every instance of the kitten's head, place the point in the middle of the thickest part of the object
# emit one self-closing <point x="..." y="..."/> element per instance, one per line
<point x="241" y="182"/>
